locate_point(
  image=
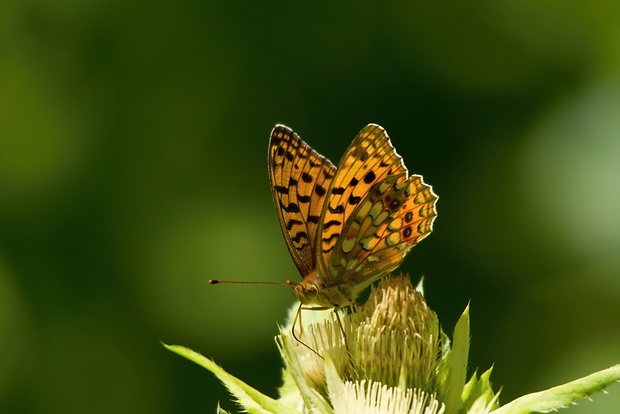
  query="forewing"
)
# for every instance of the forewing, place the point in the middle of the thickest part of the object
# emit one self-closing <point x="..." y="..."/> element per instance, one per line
<point x="369" y="159"/>
<point x="300" y="178"/>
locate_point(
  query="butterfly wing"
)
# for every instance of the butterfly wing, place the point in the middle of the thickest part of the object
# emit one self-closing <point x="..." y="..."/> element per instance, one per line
<point x="369" y="159"/>
<point x="375" y="212"/>
<point x="300" y="178"/>
<point x="393" y="217"/>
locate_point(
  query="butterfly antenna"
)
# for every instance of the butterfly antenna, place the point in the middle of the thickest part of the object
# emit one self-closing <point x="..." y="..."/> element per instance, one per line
<point x="236" y="282"/>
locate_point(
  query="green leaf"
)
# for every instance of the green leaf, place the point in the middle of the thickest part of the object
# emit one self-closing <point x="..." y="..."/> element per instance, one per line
<point x="335" y="385"/>
<point x="443" y="365"/>
<point x="220" y="410"/>
<point x="252" y="400"/>
<point x="457" y="372"/>
<point x="289" y="392"/>
<point x="479" y="391"/>
<point x="562" y="395"/>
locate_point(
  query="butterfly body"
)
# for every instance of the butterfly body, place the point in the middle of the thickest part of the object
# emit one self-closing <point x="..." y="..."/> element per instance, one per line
<point x="313" y="291"/>
<point x="346" y="227"/>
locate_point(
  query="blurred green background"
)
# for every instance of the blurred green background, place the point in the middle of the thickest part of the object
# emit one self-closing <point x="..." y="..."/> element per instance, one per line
<point x="133" y="168"/>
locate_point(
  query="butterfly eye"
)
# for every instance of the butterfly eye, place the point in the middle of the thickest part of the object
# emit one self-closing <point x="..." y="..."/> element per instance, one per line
<point x="312" y="290"/>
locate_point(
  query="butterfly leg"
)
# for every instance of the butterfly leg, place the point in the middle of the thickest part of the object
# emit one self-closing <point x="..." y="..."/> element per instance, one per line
<point x="340" y="325"/>
<point x="298" y="318"/>
<point x="344" y="335"/>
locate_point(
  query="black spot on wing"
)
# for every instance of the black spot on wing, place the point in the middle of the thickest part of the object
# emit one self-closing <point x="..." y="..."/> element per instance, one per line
<point x="291" y="223"/>
<point x="290" y="208"/>
<point x="331" y="223"/>
<point x="281" y="189"/>
<point x="392" y="204"/>
<point x="369" y="177"/>
<point x="330" y="238"/>
<point x="338" y="210"/>
<point x="300" y="236"/>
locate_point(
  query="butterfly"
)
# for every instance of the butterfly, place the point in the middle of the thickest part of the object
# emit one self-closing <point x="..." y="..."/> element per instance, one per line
<point x="346" y="226"/>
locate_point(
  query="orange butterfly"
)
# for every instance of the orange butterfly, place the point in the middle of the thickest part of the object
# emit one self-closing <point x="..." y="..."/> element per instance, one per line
<point x="345" y="227"/>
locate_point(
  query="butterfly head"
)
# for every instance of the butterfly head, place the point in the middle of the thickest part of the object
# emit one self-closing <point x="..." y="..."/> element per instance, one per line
<point x="312" y="291"/>
<point x="306" y="293"/>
